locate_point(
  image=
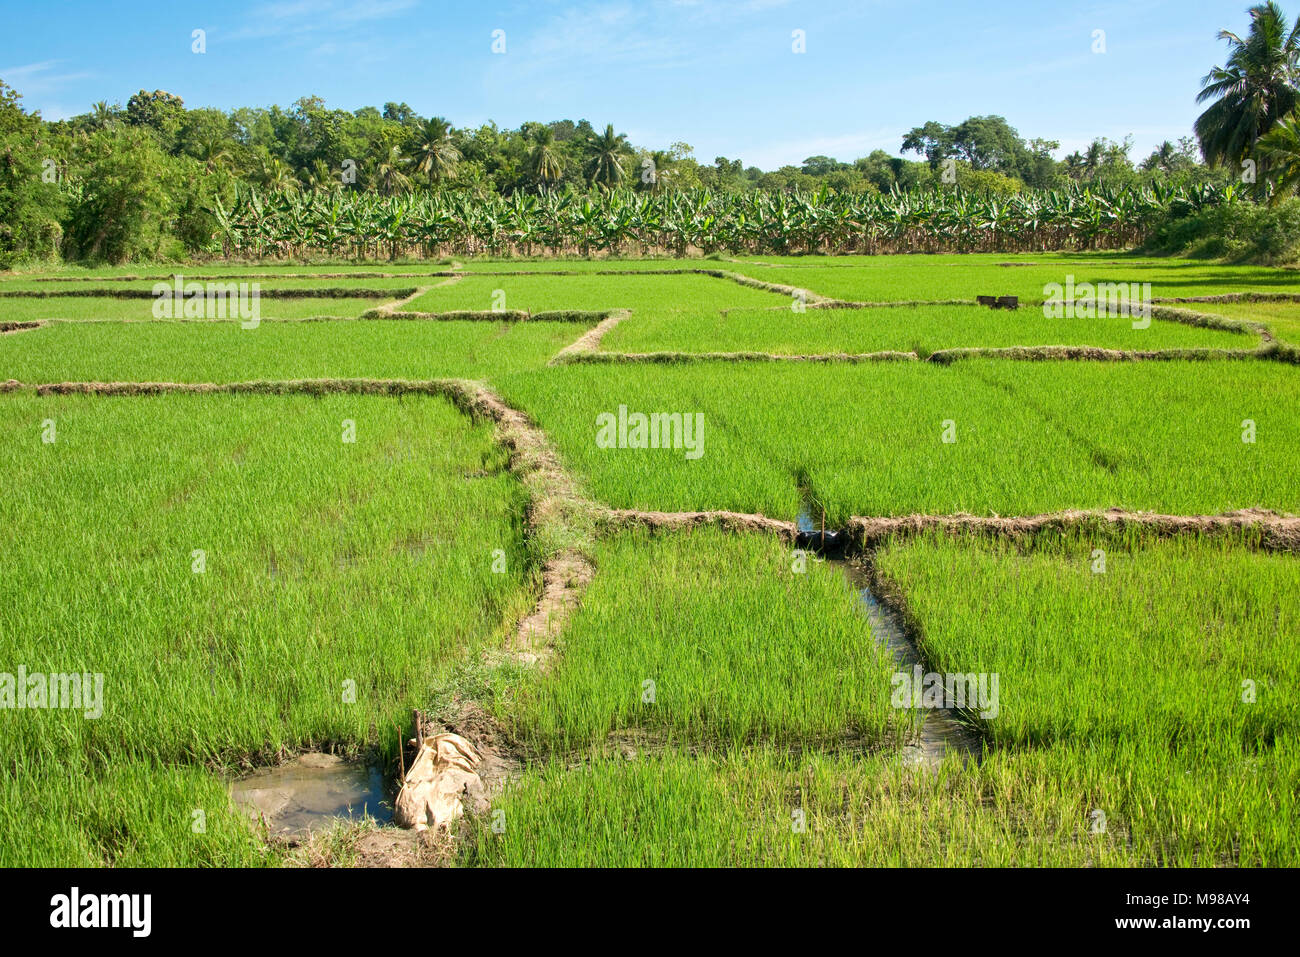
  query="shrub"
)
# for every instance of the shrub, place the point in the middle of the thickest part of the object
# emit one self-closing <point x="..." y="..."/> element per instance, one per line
<point x="1240" y="230"/>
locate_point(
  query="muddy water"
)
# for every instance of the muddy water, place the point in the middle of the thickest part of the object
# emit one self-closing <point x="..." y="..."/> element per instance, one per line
<point x="313" y="792"/>
<point x="939" y="732"/>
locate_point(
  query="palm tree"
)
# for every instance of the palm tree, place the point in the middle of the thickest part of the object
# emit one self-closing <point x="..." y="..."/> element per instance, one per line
<point x="1093" y="157"/>
<point x="103" y="116"/>
<point x="1255" y="90"/>
<point x="321" y="179"/>
<point x="544" y="161"/>
<point x="390" y="176"/>
<point x="214" y="154"/>
<point x="605" y="152"/>
<point x="660" y="170"/>
<point x="1280" y="146"/>
<point x="432" y="151"/>
<point x="1165" y="157"/>
<point x="277" y="177"/>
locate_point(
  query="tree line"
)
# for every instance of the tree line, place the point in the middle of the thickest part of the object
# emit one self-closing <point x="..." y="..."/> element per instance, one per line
<point x="151" y="180"/>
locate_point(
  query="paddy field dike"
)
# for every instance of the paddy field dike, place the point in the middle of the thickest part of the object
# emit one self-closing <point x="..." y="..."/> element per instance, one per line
<point x="722" y="561"/>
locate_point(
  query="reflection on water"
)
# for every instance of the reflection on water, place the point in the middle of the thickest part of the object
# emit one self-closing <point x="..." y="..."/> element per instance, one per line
<point x="312" y="792"/>
<point x="940" y="731"/>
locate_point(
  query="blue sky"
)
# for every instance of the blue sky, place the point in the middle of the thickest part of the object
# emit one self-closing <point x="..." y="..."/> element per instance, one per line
<point x="721" y="76"/>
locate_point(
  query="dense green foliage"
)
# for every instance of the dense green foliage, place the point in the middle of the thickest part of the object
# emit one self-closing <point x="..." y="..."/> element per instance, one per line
<point x="625" y="221"/>
<point x="159" y="181"/>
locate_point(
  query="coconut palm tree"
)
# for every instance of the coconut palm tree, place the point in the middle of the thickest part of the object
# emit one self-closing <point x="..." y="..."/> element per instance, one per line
<point x="390" y="174"/>
<point x="1164" y="157"/>
<point x="544" y="160"/>
<point x="214" y="154"/>
<point x="1280" y="148"/>
<point x="660" y="169"/>
<point x="276" y="176"/>
<point x="432" y="151"/>
<point x="321" y="179"/>
<point x="103" y="116"/>
<point x="1255" y="90"/>
<point x="605" y="152"/>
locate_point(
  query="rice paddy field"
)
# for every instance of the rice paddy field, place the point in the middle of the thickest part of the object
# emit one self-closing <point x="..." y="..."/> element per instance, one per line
<point x="283" y="539"/>
<point x="226" y="352"/>
<point x="924" y="330"/>
<point x="109" y="308"/>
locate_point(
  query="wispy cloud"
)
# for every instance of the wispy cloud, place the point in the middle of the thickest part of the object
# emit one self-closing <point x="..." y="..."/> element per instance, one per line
<point x="299" y="17"/>
<point x="39" y="79"/>
<point x="602" y="33"/>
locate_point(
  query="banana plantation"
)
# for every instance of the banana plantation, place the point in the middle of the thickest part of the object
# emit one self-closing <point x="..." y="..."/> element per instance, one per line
<point x="275" y="224"/>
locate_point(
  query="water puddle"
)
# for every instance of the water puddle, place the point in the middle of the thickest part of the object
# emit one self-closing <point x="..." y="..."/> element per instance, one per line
<point x="313" y="792"/>
<point x="940" y="731"/>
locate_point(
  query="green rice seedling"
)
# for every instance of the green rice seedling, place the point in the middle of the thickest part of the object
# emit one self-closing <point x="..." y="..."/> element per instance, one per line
<point x="899" y="329"/>
<point x="542" y="293"/>
<point x="979" y="436"/>
<point x="562" y="264"/>
<point x="1280" y="316"/>
<point x="225" y="352"/>
<point x="1185" y="643"/>
<point x="1073" y="805"/>
<point x="710" y="638"/>
<point x="105" y="308"/>
<point x="1183" y="439"/>
<point x="249" y="575"/>
<point x="73" y="272"/>
<point x="936" y="278"/>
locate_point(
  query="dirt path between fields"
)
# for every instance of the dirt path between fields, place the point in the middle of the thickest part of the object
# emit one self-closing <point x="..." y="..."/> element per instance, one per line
<point x="388" y="308"/>
<point x="589" y="342"/>
<point x="560" y="520"/>
<point x="6" y="328"/>
<point x="1278" y="532"/>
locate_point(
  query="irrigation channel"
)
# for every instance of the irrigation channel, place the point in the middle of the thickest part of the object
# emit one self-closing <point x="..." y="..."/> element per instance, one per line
<point x="941" y="731"/>
<point x="315" y="791"/>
